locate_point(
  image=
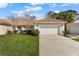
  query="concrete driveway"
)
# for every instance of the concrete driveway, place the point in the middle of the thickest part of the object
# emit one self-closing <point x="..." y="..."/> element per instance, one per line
<point x="55" y="45"/>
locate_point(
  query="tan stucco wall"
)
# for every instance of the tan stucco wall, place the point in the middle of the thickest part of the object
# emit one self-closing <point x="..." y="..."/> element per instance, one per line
<point x="73" y="28"/>
<point x="4" y="29"/>
<point x="10" y="28"/>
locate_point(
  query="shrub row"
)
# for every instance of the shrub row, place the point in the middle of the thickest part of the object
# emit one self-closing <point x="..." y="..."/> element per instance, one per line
<point x="31" y="32"/>
<point x="35" y="32"/>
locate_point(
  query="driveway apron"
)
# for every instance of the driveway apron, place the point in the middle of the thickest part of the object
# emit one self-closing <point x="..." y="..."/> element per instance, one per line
<point x="55" y="45"/>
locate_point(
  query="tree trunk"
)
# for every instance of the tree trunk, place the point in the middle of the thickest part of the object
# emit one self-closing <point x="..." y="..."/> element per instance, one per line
<point x="65" y="29"/>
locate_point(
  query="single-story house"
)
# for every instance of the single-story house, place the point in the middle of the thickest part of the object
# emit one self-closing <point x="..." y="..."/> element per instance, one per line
<point x="73" y="28"/>
<point x="45" y="26"/>
<point x="50" y="26"/>
<point x="5" y="26"/>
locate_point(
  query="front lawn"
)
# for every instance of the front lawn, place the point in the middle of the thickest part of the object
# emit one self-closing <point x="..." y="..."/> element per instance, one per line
<point x="19" y="45"/>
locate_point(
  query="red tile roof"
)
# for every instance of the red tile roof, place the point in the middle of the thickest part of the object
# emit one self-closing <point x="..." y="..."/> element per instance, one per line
<point x="23" y="22"/>
<point x="31" y="22"/>
<point x="4" y="22"/>
<point x="50" y="21"/>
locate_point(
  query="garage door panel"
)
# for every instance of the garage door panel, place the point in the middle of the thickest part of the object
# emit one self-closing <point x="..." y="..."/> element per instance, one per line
<point x="48" y="31"/>
<point x="48" y="26"/>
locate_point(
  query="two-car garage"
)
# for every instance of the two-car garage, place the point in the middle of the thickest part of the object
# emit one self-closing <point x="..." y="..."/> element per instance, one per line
<point x="51" y="26"/>
<point x="49" y="29"/>
<point x="53" y="29"/>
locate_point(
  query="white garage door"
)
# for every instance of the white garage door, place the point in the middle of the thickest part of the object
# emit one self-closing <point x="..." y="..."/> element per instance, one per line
<point x="48" y="30"/>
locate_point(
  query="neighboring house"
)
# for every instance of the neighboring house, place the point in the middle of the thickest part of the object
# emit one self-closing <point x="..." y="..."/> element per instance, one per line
<point x="73" y="28"/>
<point x="5" y="26"/>
<point x="50" y="26"/>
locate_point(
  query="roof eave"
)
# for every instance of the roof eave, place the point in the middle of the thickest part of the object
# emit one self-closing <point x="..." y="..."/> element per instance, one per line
<point x="50" y="22"/>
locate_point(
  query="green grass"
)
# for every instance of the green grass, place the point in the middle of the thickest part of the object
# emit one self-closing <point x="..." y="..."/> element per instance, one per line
<point x="19" y="45"/>
<point x="76" y="39"/>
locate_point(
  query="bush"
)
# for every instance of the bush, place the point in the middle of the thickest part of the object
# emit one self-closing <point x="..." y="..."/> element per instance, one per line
<point x="9" y="32"/>
<point x="15" y="31"/>
<point x="29" y="31"/>
<point x="35" y="32"/>
<point x="24" y="31"/>
<point x="66" y="33"/>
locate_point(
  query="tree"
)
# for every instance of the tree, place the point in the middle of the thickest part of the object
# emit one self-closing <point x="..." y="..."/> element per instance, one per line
<point x="11" y="17"/>
<point x="72" y="11"/>
<point x="21" y="17"/>
<point x="51" y="14"/>
<point x="62" y="15"/>
<point x="33" y="17"/>
<point x="68" y="16"/>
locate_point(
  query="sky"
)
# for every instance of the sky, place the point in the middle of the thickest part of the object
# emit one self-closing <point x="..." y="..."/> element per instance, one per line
<point x="37" y="9"/>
